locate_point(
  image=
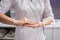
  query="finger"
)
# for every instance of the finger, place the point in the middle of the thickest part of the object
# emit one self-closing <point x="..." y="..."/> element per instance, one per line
<point x="30" y="23"/>
<point x="37" y="25"/>
<point x="32" y="26"/>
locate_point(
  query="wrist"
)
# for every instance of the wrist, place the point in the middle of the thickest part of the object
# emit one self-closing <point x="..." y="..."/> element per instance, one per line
<point x="15" y="22"/>
<point x="44" y="23"/>
<point x="41" y="24"/>
<point x="19" y="22"/>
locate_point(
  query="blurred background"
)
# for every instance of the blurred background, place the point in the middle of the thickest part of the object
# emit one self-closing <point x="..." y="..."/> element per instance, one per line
<point x="56" y="8"/>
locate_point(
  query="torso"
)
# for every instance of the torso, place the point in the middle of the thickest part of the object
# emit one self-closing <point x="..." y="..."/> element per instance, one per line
<point x="33" y="10"/>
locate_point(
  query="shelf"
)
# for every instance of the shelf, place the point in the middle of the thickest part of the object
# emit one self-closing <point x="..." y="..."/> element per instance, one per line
<point x="6" y="25"/>
<point x="7" y="38"/>
<point x="10" y="38"/>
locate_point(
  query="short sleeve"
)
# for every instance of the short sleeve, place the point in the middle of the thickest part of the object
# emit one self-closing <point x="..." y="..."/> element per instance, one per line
<point x="5" y="5"/>
<point x="48" y="10"/>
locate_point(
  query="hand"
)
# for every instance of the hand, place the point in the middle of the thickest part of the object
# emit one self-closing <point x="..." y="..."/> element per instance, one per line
<point x="29" y="21"/>
<point x="31" y="25"/>
<point x="23" y="21"/>
<point x="34" y="25"/>
<point x="41" y="24"/>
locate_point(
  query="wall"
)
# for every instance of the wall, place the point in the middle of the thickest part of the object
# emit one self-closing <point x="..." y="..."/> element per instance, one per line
<point x="56" y="8"/>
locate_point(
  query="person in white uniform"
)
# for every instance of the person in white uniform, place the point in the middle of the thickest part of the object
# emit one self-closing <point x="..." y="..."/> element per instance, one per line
<point x="31" y="17"/>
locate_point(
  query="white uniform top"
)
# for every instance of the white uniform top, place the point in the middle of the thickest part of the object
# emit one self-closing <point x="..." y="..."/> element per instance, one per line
<point x="34" y="10"/>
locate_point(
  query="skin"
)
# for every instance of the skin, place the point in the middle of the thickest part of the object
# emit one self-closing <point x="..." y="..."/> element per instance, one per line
<point x="24" y="21"/>
<point x="20" y="22"/>
<point x="45" y="22"/>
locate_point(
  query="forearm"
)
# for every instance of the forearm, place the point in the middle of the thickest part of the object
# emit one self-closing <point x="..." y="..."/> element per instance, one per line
<point x="47" y="21"/>
<point x="5" y="19"/>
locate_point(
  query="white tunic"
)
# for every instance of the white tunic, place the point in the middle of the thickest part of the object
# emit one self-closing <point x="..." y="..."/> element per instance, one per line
<point x="34" y="10"/>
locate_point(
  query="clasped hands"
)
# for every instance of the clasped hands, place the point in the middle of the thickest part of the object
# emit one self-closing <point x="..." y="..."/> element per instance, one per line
<point x="28" y="23"/>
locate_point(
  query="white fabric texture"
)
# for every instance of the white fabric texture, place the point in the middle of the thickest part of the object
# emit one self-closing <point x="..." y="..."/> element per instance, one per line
<point x="34" y="10"/>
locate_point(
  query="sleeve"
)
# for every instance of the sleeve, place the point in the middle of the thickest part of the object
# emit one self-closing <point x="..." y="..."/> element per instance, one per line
<point x="48" y="10"/>
<point x="5" y="5"/>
